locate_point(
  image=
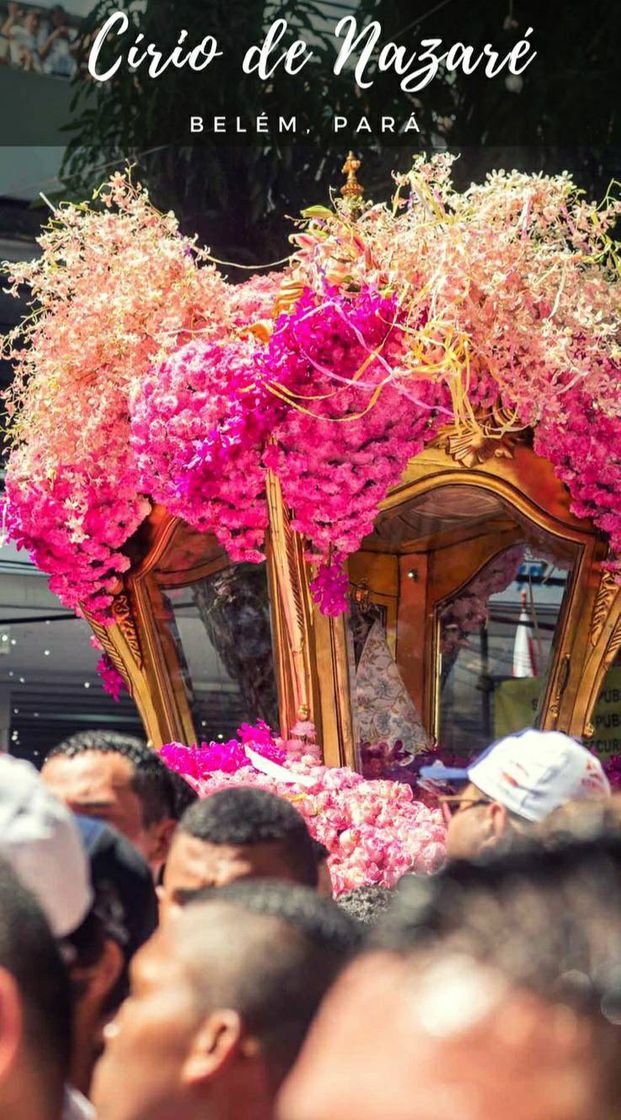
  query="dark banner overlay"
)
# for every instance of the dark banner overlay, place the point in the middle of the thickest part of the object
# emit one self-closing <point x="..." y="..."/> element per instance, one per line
<point x="503" y="73"/>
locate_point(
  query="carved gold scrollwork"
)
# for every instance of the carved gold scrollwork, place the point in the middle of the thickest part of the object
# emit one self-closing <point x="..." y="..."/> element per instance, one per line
<point x="614" y="645"/>
<point x="294" y="603"/>
<point x="608" y="588"/>
<point x="471" y="442"/>
<point x="563" y="678"/>
<point x="123" y="616"/>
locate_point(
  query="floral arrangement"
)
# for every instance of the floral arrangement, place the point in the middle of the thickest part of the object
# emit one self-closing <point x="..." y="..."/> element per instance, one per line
<point x="375" y="831"/>
<point x="116" y="288"/>
<point x="143" y="375"/>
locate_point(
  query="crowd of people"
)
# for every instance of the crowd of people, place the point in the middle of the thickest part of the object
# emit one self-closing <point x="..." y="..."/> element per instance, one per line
<point x="40" y="40"/>
<point x="169" y="958"/>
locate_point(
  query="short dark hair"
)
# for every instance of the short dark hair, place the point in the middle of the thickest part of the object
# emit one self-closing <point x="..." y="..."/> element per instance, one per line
<point x="151" y="782"/>
<point x="546" y="918"/>
<point x="125" y="905"/>
<point x="321" y="852"/>
<point x="283" y="964"/>
<point x="366" y="904"/>
<point x="245" y="815"/>
<point x="30" y="954"/>
<point x="185" y="795"/>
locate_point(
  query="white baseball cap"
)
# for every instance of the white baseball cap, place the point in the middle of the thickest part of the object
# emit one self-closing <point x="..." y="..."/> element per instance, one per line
<point x="531" y="773"/>
<point x="40" y="839"/>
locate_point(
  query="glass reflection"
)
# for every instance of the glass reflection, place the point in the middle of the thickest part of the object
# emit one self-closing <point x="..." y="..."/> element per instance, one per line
<point x="222" y="630"/>
<point x="496" y="640"/>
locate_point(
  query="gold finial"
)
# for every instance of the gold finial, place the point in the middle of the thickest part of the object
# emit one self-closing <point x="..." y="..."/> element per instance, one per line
<point x="351" y="189"/>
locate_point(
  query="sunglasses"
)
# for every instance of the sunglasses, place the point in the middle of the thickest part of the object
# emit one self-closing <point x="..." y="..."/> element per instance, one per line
<point x="453" y="804"/>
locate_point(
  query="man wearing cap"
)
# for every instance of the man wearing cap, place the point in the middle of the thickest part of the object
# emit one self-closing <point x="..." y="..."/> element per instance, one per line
<point x="515" y="784"/>
<point x="96" y="893"/>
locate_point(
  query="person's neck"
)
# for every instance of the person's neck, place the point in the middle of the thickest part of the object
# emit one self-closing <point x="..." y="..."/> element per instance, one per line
<point x="244" y="1098"/>
<point x="27" y="1101"/>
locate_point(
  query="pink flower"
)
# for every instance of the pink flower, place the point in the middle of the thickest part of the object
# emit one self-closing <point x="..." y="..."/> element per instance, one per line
<point x="375" y="831"/>
<point x="112" y="681"/>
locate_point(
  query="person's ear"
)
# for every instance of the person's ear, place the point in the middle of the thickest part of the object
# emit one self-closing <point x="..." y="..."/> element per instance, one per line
<point x="214" y="1046"/>
<point x="162" y="834"/>
<point x="495" y="823"/>
<point x="11" y="1021"/>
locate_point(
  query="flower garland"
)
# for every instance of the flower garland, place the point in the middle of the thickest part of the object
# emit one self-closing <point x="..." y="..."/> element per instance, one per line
<point x="348" y="433"/>
<point x="198" y="426"/>
<point x="142" y="375"/>
<point x="115" y="286"/>
<point x="375" y="831"/>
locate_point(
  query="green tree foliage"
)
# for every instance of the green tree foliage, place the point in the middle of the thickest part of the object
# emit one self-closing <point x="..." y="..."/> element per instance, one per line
<point x="234" y="190"/>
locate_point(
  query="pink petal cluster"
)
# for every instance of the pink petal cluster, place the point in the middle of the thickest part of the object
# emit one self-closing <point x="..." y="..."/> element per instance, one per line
<point x="115" y="287"/>
<point x="612" y="769"/>
<point x="138" y="376"/>
<point x="112" y="681"/>
<point x="349" y="430"/>
<point x="202" y="759"/>
<point x="582" y="442"/>
<point x="199" y="423"/>
<point x="375" y="831"/>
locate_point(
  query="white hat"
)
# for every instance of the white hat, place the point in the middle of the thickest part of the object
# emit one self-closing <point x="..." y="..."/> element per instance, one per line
<point x="531" y="773"/>
<point x="40" y="840"/>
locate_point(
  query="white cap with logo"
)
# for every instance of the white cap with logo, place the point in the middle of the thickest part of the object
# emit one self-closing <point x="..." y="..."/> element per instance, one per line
<point x="531" y="773"/>
<point x="39" y="838"/>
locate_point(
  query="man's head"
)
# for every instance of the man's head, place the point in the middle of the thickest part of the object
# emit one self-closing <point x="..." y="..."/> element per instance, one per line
<point x="32" y="20"/>
<point x="117" y="779"/>
<point x="514" y="785"/>
<point x="123" y="917"/>
<point x="35" y="1013"/>
<point x="221" y="1000"/>
<point x="40" y="840"/>
<point x="58" y="16"/>
<point x="496" y="991"/>
<point x="237" y="833"/>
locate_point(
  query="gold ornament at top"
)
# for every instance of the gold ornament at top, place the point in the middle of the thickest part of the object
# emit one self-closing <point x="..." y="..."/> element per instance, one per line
<point x="351" y="189"/>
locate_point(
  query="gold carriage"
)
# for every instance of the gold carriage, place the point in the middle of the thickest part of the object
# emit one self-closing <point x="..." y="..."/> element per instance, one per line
<point x="460" y="506"/>
<point x="478" y="605"/>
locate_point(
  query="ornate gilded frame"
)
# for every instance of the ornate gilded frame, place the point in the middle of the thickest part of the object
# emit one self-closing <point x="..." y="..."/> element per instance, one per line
<point x="311" y="651"/>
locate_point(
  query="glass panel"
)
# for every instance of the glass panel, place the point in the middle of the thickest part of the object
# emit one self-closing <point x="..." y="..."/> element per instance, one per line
<point x="455" y="582"/>
<point x="222" y="630"/>
<point x="496" y="640"/>
<point x="606" y="718"/>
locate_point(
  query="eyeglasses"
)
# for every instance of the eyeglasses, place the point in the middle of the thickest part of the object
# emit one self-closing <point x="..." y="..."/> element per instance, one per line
<point x="451" y="805"/>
